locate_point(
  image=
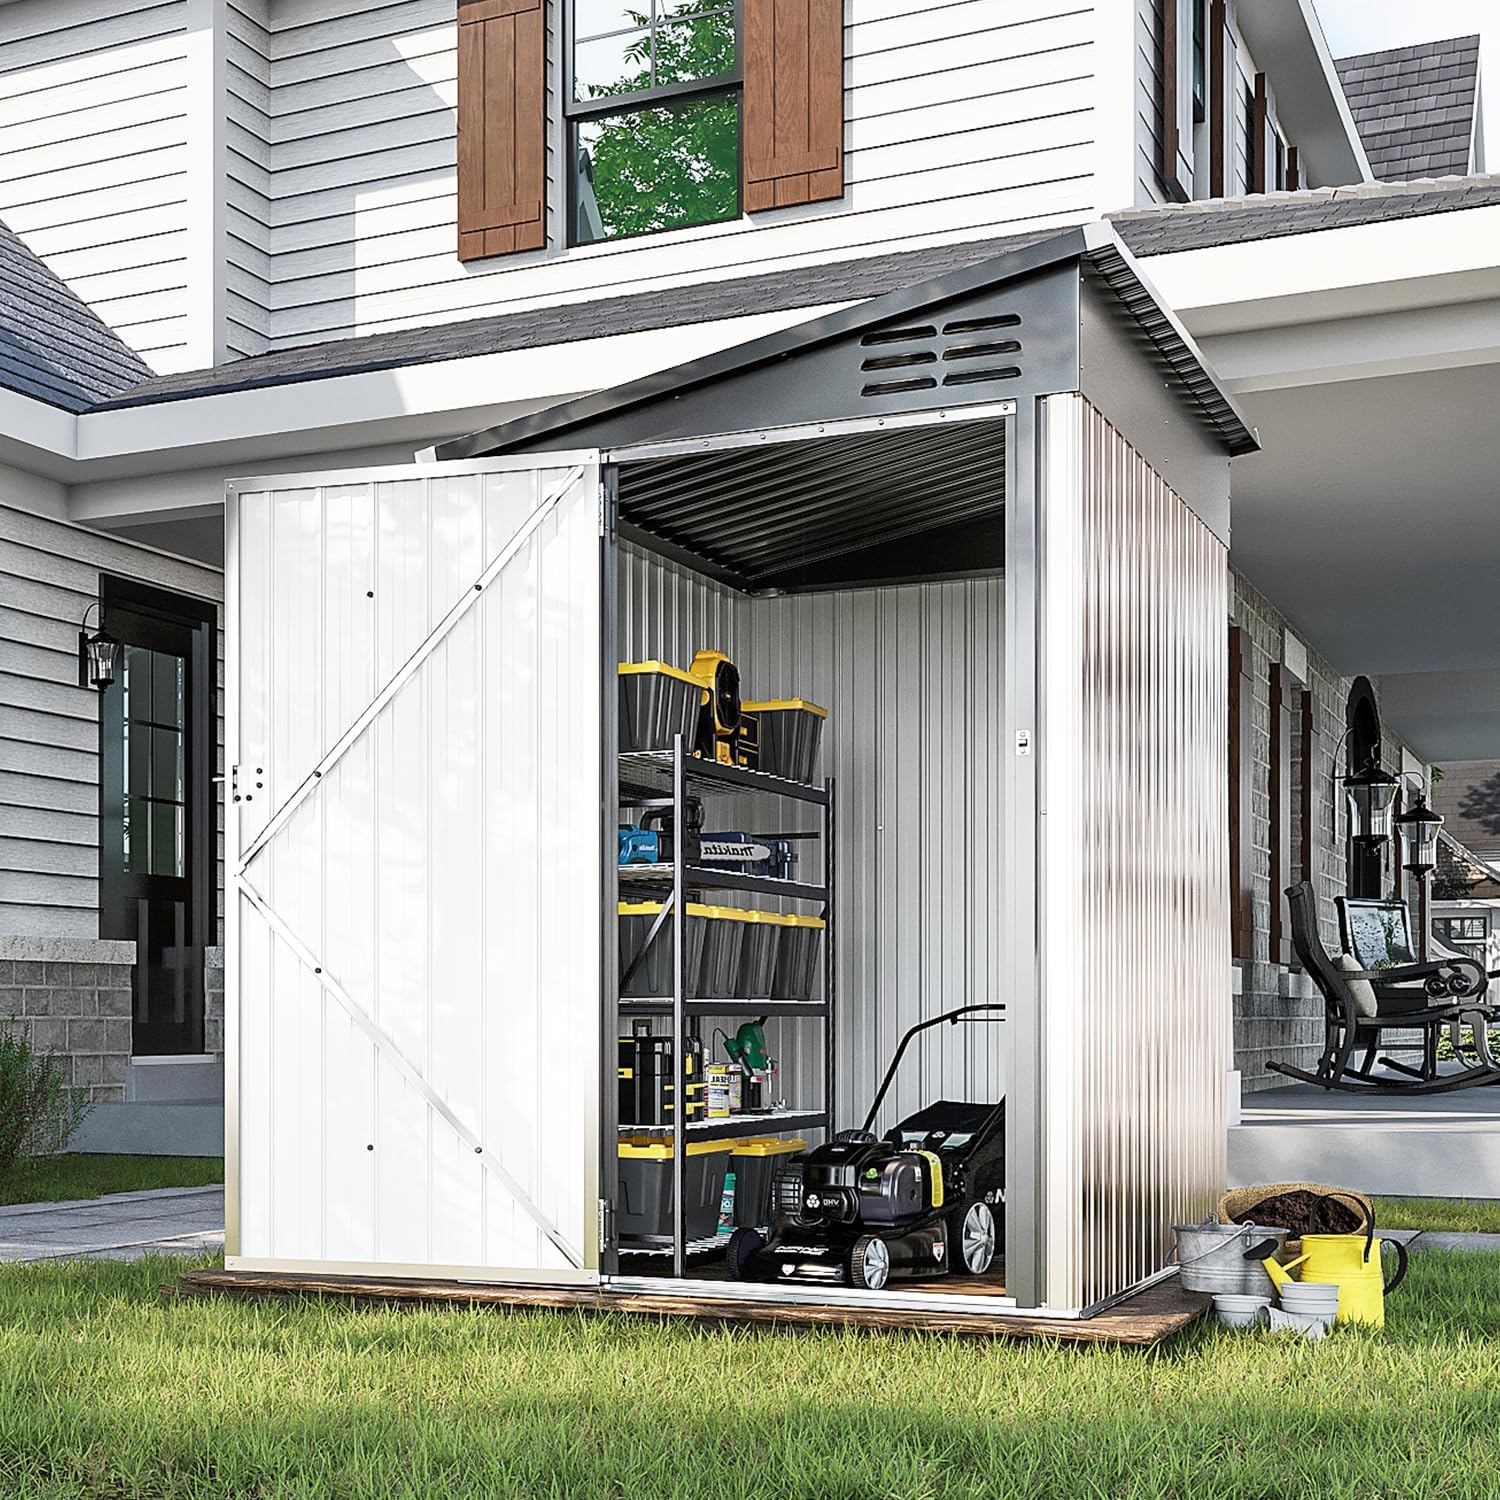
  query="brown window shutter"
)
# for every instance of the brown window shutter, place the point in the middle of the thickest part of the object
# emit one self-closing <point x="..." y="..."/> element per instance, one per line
<point x="1176" y="101"/>
<point x="794" y="102"/>
<point x="1241" y="795"/>
<point x="502" y="127"/>
<point x="1218" y="62"/>
<point x="1293" y="170"/>
<point x="1260" y="135"/>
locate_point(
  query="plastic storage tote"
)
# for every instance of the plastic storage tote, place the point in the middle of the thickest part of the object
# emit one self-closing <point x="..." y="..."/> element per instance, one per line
<point x="652" y="978"/>
<point x="759" y="947"/>
<point x="724" y="929"/>
<point x="643" y="1205"/>
<point x="755" y="1161"/>
<point x="797" y="954"/>
<point x="788" y="731"/>
<point x="657" y="701"/>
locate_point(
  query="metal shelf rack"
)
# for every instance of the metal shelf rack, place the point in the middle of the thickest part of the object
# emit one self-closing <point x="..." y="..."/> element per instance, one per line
<point x="654" y="776"/>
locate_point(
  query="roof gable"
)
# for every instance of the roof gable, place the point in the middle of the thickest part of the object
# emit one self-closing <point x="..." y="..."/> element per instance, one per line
<point x="53" y="346"/>
<point x="951" y="340"/>
<point x="1414" y="107"/>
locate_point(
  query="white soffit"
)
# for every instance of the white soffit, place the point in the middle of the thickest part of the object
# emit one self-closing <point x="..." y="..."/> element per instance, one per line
<point x="1398" y="264"/>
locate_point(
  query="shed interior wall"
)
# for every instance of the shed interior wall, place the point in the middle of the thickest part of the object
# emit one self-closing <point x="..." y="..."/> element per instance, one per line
<point x="913" y="677"/>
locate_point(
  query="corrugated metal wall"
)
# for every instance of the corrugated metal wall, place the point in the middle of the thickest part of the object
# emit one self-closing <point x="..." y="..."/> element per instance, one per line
<point x="1134" y="880"/>
<point x="913" y="679"/>
<point x="416" y="974"/>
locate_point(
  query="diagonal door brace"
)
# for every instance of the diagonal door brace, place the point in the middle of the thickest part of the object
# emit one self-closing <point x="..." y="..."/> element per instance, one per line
<point x="384" y="1042"/>
<point x="404" y="673"/>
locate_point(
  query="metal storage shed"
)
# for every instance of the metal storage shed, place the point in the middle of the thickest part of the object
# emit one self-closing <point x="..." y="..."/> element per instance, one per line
<point x="422" y="967"/>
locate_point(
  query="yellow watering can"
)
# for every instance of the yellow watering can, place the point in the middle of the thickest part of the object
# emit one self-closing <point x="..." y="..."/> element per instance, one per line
<point x="1352" y="1263"/>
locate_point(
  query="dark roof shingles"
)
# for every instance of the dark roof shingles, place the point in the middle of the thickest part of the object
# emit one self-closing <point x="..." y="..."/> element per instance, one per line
<point x="1414" y="107"/>
<point x="1146" y="232"/>
<point x="53" y="346"/>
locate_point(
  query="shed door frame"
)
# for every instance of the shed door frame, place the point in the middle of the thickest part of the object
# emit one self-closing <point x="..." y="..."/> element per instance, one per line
<point x="1022" y="471"/>
<point x="576" y="478"/>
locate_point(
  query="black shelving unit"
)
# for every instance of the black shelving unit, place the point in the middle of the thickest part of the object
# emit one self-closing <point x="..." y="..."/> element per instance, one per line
<point x="655" y="776"/>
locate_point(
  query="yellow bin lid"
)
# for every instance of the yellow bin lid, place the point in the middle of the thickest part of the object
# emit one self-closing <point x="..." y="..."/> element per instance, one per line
<point x="774" y="705"/>
<point x="642" y="1149"/>
<point x="793" y="920"/>
<point x="769" y="1145"/>
<point x="694" y="909"/>
<point x="629" y="668"/>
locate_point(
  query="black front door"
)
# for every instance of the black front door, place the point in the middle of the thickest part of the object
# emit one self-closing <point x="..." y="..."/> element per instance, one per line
<point x="157" y="832"/>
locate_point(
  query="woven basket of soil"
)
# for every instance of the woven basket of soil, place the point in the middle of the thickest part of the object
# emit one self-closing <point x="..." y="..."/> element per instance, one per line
<point x="1298" y="1207"/>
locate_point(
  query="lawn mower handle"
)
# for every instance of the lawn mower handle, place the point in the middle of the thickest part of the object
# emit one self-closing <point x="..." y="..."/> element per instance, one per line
<point x="952" y="1017"/>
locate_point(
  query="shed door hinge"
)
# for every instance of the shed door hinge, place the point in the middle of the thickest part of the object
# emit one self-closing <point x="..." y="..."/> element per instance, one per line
<point x="606" y="1224"/>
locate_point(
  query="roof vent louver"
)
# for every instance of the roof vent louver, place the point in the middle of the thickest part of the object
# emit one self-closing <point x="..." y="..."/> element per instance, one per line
<point x="961" y="343"/>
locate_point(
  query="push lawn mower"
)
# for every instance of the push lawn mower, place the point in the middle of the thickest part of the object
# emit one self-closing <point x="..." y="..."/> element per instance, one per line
<point x="927" y="1200"/>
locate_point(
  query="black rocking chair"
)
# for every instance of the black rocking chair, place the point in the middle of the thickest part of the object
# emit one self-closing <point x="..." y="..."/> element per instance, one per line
<point x="1423" y="997"/>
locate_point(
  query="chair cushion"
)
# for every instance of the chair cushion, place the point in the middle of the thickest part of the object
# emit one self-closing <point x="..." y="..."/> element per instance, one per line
<point x="1361" y="990"/>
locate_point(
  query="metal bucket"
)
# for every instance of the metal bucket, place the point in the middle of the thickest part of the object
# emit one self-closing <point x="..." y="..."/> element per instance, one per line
<point x="1211" y="1257"/>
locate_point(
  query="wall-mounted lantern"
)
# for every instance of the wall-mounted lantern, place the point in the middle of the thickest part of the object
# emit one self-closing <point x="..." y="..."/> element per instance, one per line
<point x="1371" y="793"/>
<point x="1418" y="830"/>
<point x="98" y="651"/>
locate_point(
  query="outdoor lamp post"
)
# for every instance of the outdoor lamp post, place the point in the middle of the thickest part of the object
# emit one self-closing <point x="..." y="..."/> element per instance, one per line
<point x="97" y="652"/>
<point x="1418" y="831"/>
<point x="1371" y="793"/>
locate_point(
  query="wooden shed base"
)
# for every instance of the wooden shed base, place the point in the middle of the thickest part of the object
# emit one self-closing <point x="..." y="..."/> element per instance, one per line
<point x="1146" y="1318"/>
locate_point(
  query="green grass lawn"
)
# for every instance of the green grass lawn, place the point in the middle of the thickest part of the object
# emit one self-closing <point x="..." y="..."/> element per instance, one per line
<point x="105" y="1390"/>
<point x="57" y="1179"/>
<point x="1473" y="1214"/>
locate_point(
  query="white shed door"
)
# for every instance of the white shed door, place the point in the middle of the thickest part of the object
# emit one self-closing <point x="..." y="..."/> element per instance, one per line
<point x="415" y="870"/>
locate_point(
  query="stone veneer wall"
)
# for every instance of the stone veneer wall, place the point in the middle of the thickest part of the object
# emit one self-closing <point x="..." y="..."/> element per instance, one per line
<point x="1278" y="1016"/>
<point x="72" y="997"/>
<point x="213" y="1000"/>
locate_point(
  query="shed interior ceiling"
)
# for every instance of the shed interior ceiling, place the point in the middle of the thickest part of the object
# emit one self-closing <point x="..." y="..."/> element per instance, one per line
<point x="824" y="512"/>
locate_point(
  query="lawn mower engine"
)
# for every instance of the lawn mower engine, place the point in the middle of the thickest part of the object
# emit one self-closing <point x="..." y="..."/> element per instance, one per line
<point x="925" y="1201"/>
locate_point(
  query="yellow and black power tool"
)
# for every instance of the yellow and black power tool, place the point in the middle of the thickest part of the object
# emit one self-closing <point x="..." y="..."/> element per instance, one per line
<point x="721" y="733"/>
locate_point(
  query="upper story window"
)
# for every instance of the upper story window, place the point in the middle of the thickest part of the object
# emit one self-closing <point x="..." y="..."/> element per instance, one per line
<point x="653" y="116"/>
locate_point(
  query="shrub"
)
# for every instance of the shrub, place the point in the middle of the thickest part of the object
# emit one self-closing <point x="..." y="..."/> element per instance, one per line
<point x="38" y="1109"/>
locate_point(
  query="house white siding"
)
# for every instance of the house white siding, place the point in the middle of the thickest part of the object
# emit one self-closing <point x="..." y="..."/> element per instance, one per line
<point x="963" y="119"/>
<point x="1148" y="115"/>
<point x="94" y="157"/>
<point x="49" y="726"/>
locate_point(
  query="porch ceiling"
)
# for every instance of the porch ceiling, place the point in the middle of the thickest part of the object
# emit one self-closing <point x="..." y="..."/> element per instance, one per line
<point x="1368" y="359"/>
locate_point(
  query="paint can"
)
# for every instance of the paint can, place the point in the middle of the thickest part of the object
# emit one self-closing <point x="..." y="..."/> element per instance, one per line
<point x="719" y="1095"/>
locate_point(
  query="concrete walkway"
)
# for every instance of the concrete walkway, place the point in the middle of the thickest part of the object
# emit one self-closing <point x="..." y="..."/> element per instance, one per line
<point x="120" y="1226"/>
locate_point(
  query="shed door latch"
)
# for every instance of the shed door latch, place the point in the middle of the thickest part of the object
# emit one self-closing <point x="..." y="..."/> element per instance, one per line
<point x="1023" y="742"/>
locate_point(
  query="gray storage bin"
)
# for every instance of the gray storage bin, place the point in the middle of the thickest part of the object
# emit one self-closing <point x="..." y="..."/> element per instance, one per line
<point x="789" y="732"/>
<point x="653" y="977"/>
<point x="759" y="947"/>
<point x="643" y="1205"/>
<point x="657" y="701"/>
<point x="797" y="956"/>
<point x="718" y="972"/>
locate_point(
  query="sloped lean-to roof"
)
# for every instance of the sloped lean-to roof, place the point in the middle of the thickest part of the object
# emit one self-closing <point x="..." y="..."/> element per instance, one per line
<point x="1414" y="107"/>
<point x="53" y="346"/>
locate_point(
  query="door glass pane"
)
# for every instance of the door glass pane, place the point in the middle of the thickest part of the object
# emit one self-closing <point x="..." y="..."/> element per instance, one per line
<point x="166" y="764"/>
<point x="166" y="688"/>
<point x="166" y="838"/>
